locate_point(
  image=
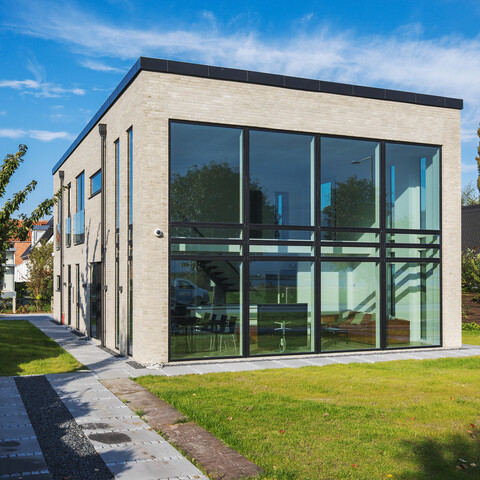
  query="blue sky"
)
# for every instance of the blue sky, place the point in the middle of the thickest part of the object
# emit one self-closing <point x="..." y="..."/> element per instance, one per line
<point x="60" y="60"/>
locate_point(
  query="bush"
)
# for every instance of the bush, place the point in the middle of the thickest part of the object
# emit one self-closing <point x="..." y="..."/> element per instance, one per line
<point x="470" y="327"/>
<point x="470" y="271"/>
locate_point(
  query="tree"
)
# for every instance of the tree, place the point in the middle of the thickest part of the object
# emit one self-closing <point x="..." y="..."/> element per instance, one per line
<point x="469" y="195"/>
<point x="211" y="193"/>
<point x="9" y="226"/>
<point x="352" y="204"/>
<point x="40" y="269"/>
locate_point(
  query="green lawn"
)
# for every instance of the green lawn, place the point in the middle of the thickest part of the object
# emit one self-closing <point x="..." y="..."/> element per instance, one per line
<point x="471" y="337"/>
<point x="401" y="420"/>
<point x="25" y="350"/>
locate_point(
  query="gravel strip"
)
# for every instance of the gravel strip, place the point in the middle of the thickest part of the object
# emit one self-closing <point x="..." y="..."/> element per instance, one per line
<point x="67" y="451"/>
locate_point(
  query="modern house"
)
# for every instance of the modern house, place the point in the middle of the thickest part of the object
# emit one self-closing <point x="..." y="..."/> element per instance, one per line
<point x="222" y="213"/>
<point x="42" y="232"/>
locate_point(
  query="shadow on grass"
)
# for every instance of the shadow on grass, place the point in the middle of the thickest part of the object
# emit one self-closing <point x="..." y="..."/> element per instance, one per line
<point x="448" y="458"/>
<point x="25" y="350"/>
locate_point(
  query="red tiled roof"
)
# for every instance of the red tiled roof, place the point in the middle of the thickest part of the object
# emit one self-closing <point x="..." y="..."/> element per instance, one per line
<point x="20" y="250"/>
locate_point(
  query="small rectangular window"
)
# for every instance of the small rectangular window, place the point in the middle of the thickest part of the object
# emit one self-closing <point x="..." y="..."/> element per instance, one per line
<point x="95" y="183"/>
<point x="59" y="283"/>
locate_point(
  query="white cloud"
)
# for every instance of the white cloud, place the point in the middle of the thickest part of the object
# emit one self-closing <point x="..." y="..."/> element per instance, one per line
<point x="40" y="89"/>
<point x="100" y="66"/>
<point x="12" y="133"/>
<point x="42" y="135"/>
<point x="3" y="112"/>
<point x="47" y="136"/>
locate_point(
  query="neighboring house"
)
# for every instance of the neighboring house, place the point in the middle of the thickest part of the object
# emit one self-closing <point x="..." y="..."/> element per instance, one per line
<point x="42" y="232"/>
<point x="221" y="213"/>
<point x="471" y="227"/>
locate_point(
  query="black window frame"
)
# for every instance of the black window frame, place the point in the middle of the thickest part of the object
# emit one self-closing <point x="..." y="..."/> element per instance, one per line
<point x="99" y="189"/>
<point x="317" y="243"/>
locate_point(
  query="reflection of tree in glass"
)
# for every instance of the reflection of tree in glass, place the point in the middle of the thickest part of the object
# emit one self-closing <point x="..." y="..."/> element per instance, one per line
<point x="210" y="193"/>
<point x="352" y="205"/>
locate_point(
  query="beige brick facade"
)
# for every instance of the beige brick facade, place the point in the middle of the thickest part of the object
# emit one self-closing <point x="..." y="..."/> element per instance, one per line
<point x="147" y="105"/>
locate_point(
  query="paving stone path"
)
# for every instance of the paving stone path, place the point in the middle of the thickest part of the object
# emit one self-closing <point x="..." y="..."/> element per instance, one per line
<point x="20" y="453"/>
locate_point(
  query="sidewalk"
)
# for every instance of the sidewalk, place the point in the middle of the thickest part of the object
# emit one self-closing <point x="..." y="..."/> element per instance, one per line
<point x="53" y="425"/>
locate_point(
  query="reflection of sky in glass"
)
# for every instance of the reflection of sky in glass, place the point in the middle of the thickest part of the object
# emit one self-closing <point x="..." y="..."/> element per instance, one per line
<point x="283" y="164"/>
<point x="349" y="177"/>
<point x="202" y="144"/>
<point x="339" y="153"/>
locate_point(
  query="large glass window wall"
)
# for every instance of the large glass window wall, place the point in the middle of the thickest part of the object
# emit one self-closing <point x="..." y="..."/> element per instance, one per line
<point x="294" y="243"/>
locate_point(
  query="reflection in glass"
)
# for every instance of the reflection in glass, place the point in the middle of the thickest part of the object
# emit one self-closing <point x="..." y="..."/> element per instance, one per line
<point x="281" y="307"/>
<point x="269" y="250"/>
<point x="350" y="295"/>
<point x="336" y="236"/>
<point x="412" y="186"/>
<point x="350" y="175"/>
<point x="205" y="308"/>
<point x="413" y="252"/>
<point x="205" y="249"/>
<point x="96" y="182"/>
<point x="282" y="234"/>
<point x="413" y="238"/>
<point x="281" y="179"/>
<point x="413" y="304"/>
<point x="205" y="232"/>
<point x="333" y="251"/>
<point x="206" y="178"/>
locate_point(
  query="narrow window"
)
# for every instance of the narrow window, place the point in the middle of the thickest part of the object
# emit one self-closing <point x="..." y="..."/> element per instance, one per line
<point x="68" y="220"/>
<point x="117" y="185"/>
<point x="78" y="300"/>
<point x="79" y="218"/>
<point x="130" y="241"/>
<point x="117" y="243"/>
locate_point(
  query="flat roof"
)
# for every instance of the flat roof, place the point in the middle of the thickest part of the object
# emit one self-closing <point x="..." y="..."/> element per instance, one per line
<point x="259" y="78"/>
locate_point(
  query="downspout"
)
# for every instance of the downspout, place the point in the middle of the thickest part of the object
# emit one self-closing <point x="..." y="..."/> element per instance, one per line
<point x="61" y="175"/>
<point x="102" y="130"/>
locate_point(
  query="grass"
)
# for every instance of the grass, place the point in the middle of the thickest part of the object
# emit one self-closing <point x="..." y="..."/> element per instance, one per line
<point x="471" y="337"/>
<point x="25" y="350"/>
<point x="401" y="420"/>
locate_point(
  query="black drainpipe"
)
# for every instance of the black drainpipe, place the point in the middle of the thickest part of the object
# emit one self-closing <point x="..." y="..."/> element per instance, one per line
<point x="102" y="130"/>
<point x="61" y="175"/>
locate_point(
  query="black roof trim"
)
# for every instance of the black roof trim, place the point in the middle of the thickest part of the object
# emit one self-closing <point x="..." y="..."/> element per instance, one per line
<point x="260" y="78"/>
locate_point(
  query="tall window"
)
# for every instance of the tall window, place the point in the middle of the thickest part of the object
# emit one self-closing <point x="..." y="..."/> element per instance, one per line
<point x="68" y="220"/>
<point x="130" y="242"/>
<point x="117" y="244"/>
<point x="117" y="184"/>
<point x="79" y="218"/>
<point x="290" y="242"/>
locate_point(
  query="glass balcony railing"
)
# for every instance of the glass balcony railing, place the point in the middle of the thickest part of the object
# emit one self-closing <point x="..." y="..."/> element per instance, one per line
<point x="79" y="227"/>
<point x="68" y="231"/>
